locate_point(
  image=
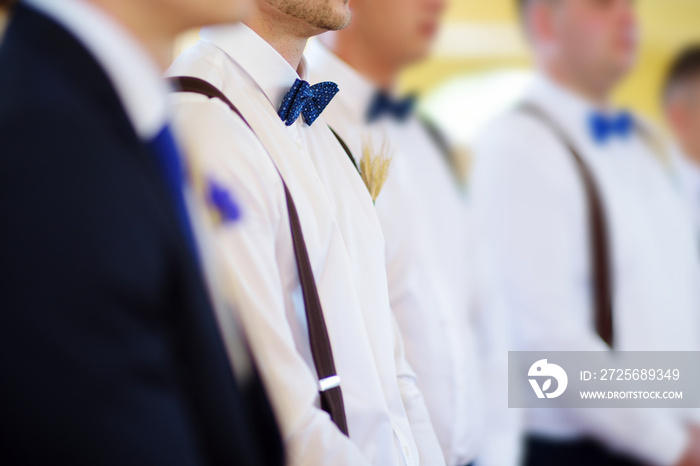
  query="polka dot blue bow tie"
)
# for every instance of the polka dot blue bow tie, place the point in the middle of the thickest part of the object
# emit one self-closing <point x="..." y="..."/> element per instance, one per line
<point x="307" y="100"/>
<point x="603" y="127"/>
<point x="384" y="104"/>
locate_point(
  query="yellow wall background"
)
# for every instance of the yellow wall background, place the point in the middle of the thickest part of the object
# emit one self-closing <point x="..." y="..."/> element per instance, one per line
<point x="481" y="35"/>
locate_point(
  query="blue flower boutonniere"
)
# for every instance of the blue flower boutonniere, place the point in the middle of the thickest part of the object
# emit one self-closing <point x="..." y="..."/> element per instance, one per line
<point x="221" y="204"/>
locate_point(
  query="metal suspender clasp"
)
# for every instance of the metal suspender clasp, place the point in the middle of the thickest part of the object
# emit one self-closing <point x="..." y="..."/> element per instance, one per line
<point x="329" y="382"/>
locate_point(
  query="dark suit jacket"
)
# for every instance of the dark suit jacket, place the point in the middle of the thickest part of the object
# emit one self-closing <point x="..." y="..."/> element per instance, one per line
<point x="109" y="349"/>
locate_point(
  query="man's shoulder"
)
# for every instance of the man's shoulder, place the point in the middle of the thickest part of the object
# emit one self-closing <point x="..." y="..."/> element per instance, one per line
<point x="221" y="146"/>
<point x="56" y="132"/>
<point x="52" y="99"/>
<point x="651" y="131"/>
<point x="518" y="148"/>
<point x="516" y="132"/>
<point x="44" y="114"/>
<point x="207" y="62"/>
<point x="203" y="60"/>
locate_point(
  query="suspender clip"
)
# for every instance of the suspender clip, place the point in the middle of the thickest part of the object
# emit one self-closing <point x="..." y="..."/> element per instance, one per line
<point x="329" y="382"/>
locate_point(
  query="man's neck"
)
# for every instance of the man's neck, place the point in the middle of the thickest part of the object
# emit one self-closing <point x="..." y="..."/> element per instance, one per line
<point x="363" y="59"/>
<point x="692" y="155"/>
<point x="287" y="35"/>
<point x="598" y="94"/>
<point x="140" y="19"/>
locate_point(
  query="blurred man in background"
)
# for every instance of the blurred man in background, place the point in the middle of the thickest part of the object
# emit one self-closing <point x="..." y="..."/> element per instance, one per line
<point x="109" y="344"/>
<point x="588" y="244"/>
<point x="423" y="212"/>
<point x="682" y="107"/>
<point x="289" y="153"/>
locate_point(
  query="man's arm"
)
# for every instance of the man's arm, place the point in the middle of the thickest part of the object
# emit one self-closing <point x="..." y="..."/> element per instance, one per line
<point x="429" y="450"/>
<point x="89" y="361"/>
<point x="503" y="426"/>
<point x="228" y="150"/>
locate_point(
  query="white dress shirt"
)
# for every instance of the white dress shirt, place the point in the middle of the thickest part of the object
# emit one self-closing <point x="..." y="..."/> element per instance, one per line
<point x="424" y="215"/>
<point x="387" y="418"/>
<point x="532" y="228"/>
<point x="689" y="178"/>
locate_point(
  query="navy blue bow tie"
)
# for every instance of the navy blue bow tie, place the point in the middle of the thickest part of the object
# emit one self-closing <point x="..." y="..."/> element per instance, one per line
<point x="603" y="127"/>
<point x="384" y="104"/>
<point x="307" y="100"/>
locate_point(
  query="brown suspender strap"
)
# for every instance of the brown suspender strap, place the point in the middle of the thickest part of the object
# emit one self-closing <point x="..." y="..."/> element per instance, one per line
<point x="329" y="382"/>
<point x="440" y="141"/>
<point x="598" y="232"/>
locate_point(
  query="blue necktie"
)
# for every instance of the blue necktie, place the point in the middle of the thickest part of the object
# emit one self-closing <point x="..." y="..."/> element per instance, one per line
<point x="603" y="127"/>
<point x="304" y="99"/>
<point x="384" y="104"/>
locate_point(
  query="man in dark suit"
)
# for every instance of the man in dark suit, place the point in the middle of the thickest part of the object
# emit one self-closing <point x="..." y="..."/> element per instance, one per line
<point x="110" y="351"/>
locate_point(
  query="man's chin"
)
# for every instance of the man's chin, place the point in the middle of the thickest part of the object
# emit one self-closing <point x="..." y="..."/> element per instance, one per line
<point x="625" y="66"/>
<point x="345" y="17"/>
<point x="340" y="15"/>
<point x="420" y="53"/>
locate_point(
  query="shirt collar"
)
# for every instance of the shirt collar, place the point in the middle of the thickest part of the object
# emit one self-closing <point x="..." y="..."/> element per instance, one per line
<point x="133" y="73"/>
<point x="356" y="92"/>
<point x="571" y="110"/>
<point x="270" y="71"/>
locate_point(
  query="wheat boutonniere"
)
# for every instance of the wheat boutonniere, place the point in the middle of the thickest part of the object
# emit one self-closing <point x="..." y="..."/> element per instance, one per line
<point x="374" y="166"/>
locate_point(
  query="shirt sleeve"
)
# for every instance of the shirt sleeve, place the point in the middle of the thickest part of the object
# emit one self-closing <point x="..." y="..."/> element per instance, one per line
<point x="503" y="426"/>
<point x="253" y="259"/>
<point x="429" y="451"/>
<point x="527" y="195"/>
